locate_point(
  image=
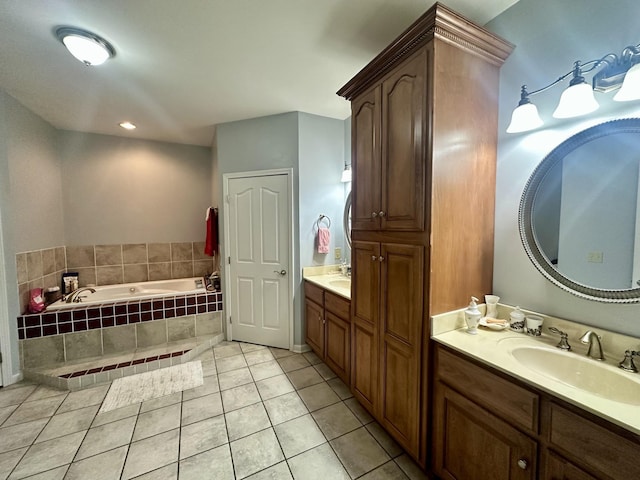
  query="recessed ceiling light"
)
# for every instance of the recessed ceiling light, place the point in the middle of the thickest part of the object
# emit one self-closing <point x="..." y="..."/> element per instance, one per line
<point x="128" y="125"/>
<point x="87" y="47"/>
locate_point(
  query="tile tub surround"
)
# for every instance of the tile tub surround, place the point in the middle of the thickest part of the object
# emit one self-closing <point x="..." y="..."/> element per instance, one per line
<point x="110" y="264"/>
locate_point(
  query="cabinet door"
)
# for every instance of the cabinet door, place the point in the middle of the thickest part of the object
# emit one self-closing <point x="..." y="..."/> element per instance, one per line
<point x="401" y="321"/>
<point x="557" y="468"/>
<point x="365" y="160"/>
<point x="364" y="327"/>
<point x="314" y="316"/>
<point x="338" y="345"/>
<point x="470" y="443"/>
<point x="404" y="146"/>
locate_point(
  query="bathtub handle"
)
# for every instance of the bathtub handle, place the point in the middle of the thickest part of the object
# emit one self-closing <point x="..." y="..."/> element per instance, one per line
<point x="282" y="272"/>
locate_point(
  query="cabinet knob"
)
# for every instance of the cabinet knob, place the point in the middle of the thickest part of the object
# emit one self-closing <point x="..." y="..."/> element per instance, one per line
<point x="381" y="258"/>
<point x="374" y="214"/>
<point x="522" y="463"/>
<point x="373" y="258"/>
<point x="381" y="214"/>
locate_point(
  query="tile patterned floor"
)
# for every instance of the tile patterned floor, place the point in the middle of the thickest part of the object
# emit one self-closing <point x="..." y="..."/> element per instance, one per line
<point x="261" y="414"/>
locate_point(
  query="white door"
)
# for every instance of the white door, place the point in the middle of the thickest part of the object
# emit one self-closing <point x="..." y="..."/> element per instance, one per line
<point x="259" y="225"/>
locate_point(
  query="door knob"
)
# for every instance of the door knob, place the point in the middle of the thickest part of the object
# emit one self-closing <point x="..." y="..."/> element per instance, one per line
<point x="282" y="272"/>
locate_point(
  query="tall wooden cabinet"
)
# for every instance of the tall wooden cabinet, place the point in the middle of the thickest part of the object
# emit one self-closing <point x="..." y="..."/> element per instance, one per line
<point x="424" y="134"/>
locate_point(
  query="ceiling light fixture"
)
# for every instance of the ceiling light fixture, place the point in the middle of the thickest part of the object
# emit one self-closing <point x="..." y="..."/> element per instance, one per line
<point x="127" y="125"/>
<point x="578" y="99"/>
<point x="87" y="47"/>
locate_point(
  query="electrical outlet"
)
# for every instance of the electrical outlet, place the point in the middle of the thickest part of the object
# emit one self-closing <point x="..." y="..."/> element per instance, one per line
<point x="595" y="257"/>
<point x="338" y="253"/>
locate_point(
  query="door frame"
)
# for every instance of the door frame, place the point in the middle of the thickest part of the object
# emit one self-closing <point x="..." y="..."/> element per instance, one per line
<point x="6" y="377"/>
<point x="227" y="241"/>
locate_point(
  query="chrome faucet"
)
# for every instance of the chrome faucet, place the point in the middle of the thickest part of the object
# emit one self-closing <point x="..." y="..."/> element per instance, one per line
<point x="74" y="297"/>
<point x="627" y="364"/>
<point x="592" y="337"/>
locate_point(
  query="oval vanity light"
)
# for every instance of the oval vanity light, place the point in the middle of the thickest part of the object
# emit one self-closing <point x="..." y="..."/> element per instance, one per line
<point x="87" y="47"/>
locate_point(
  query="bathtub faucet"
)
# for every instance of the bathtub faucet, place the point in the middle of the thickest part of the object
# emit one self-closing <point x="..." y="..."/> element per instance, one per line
<point x="74" y="297"/>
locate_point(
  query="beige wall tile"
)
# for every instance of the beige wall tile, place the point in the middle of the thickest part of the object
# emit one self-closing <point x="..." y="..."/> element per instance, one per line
<point x="134" y="253"/>
<point x="181" y="269"/>
<point x="159" y="271"/>
<point x="109" y="275"/>
<point x="159" y="252"/>
<point x="198" y="251"/>
<point x="181" y="251"/>
<point x="108" y="255"/>
<point x="48" y="261"/>
<point x="43" y="351"/>
<point x="151" y="333"/>
<point x="80" y="256"/>
<point x="208" y="323"/>
<point x="202" y="267"/>
<point x="23" y="293"/>
<point x="61" y="259"/>
<point x="21" y="267"/>
<point x="86" y="276"/>
<point x="34" y="265"/>
<point x="82" y="344"/>
<point x="119" y="339"/>
<point x="181" y="328"/>
<point x="52" y="280"/>
<point x="136" y="273"/>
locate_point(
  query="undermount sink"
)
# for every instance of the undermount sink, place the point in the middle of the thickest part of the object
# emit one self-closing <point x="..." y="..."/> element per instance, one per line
<point x="580" y="372"/>
<point x="340" y="283"/>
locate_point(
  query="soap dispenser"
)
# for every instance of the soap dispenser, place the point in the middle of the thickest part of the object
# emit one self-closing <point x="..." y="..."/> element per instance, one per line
<point x="472" y="316"/>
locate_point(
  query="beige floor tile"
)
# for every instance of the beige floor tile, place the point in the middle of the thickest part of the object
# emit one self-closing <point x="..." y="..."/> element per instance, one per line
<point x="341" y="389"/>
<point x="255" y="452"/>
<point x="359" y="452"/>
<point x="201" y="408"/>
<point x="260" y="371"/>
<point x="157" y="421"/>
<point x="44" y="391"/>
<point x="312" y="358"/>
<point x="168" y="472"/>
<point x="318" y="396"/>
<point x="107" y="437"/>
<point x="84" y="398"/>
<point x="234" y="378"/>
<point x="47" y="455"/>
<point x="324" y="371"/>
<point x="383" y="438"/>
<point x="305" y="377"/>
<point x="151" y="453"/>
<point x="293" y="362"/>
<point x="285" y="407"/>
<point x="105" y="466"/>
<point x="209" y="386"/>
<point x="358" y="410"/>
<point x="251" y="347"/>
<point x="117" y="414"/>
<point x="336" y="420"/>
<point x="239" y="397"/>
<point x="16" y="395"/>
<point x="298" y="435"/>
<point x="388" y="471"/>
<point x="53" y="474"/>
<point x="70" y="422"/>
<point x="228" y="364"/>
<point x="247" y="420"/>
<point x="319" y="463"/>
<point x="161" y="402"/>
<point x="410" y="468"/>
<point x="201" y="436"/>
<point x="30" y="411"/>
<point x="280" y="352"/>
<point x="215" y="464"/>
<point x="258" y="356"/>
<point x="209" y="368"/>
<point x="20" y="435"/>
<point x="5" y="412"/>
<point x="274" y="386"/>
<point x="279" y="471"/>
<point x="228" y="350"/>
<point x="9" y="460"/>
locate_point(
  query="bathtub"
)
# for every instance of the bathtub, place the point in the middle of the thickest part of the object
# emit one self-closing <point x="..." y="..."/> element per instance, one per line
<point x="134" y="291"/>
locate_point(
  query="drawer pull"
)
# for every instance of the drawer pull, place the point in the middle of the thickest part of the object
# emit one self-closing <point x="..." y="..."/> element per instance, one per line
<point x="381" y="258"/>
<point x="374" y="214"/>
<point x="373" y="258"/>
<point x="381" y="214"/>
<point x="522" y="463"/>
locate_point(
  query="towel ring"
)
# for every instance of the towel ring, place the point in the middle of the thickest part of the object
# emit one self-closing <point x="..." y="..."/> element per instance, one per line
<point x="323" y="218"/>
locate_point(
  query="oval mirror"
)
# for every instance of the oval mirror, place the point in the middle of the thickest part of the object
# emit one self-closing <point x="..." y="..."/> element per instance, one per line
<point x="346" y="220"/>
<point x="579" y="216"/>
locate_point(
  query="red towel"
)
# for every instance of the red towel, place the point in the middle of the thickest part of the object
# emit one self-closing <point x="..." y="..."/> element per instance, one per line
<point x="211" y="242"/>
<point x="324" y="237"/>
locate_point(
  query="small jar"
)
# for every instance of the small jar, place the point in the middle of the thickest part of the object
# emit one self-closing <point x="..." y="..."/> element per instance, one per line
<point x="52" y="294"/>
<point x="516" y="320"/>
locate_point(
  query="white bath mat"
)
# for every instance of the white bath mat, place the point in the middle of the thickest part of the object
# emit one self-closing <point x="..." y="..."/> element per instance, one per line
<point x="157" y="383"/>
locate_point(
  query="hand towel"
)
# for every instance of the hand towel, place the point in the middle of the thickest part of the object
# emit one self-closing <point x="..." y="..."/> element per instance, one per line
<point x="211" y="240"/>
<point x="324" y="237"/>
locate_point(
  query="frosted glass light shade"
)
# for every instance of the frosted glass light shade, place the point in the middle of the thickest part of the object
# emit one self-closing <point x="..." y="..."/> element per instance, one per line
<point x="87" y="47"/>
<point x="346" y="175"/>
<point x="630" y="89"/>
<point x="575" y="101"/>
<point x="524" y="118"/>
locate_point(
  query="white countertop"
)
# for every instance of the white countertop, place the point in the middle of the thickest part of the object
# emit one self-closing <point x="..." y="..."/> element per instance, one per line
<point x="491" y="348"/>
<point x="326" y="277"/>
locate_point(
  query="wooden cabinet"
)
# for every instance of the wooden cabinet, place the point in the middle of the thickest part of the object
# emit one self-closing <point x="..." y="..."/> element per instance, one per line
<point x="424" y="135"/>
<point x="328" y="329"/>
<point x="487" y="425"/>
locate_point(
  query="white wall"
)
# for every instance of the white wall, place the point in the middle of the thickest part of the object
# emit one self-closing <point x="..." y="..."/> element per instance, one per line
<point x="549" y="36"/>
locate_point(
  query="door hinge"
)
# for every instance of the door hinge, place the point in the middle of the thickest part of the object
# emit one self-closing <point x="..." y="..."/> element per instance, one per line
<point x="229" y="260"/>
<point x="227" y="199"/>
<point x="0" y="357"/>
<point x="230" y="320"/>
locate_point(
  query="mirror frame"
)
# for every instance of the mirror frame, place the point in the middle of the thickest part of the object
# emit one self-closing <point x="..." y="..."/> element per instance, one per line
<point x="525" y="218"/>
<point x="345" y="220"/>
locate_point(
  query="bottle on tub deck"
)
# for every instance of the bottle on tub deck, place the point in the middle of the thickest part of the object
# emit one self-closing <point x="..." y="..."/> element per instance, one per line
<point x="472" y="316"/>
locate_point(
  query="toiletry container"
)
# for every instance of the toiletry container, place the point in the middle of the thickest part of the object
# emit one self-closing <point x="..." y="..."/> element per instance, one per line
<point x="492" y="305"/>
<point x="472" y="316"/>
<point x="516" y="320"/>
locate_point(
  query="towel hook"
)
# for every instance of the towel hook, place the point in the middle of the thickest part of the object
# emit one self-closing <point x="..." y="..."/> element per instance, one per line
<point x="321" y="218"/>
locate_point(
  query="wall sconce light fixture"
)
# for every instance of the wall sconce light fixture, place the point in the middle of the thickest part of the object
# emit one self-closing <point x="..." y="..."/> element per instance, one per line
<point x="87" y="47"/>
<point x="346" y="173"/>
<point x="610" y="72"/>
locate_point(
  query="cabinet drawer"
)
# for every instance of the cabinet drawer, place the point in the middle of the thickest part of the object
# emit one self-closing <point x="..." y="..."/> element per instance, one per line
<point x="501" y="397"/>
<point x="314" y="293"/>
<point x="337" y="305"/>
<point x="593" y="445"/>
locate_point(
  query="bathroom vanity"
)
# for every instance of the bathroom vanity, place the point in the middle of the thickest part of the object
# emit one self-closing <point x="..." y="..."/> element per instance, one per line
<point x="496" y="418"/>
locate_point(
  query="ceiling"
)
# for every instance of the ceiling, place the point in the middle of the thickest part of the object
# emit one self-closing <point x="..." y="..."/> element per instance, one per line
<point x="181" y="67"/>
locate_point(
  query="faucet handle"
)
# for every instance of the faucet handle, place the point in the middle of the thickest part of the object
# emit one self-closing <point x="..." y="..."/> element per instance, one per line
<point x="627" y="364"/>
<point x="564" y="339"/>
